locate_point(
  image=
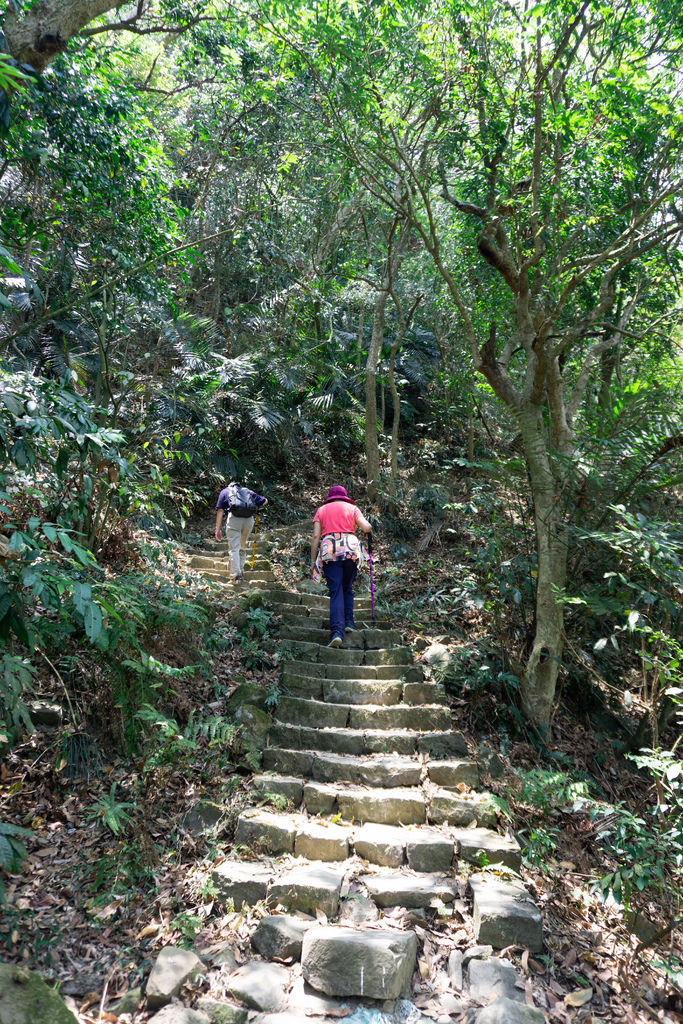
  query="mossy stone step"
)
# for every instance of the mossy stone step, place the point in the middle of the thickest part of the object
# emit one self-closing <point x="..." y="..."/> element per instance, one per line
<point x="299" y="711"/>
<point x="386" y="771"/>
<point x="447" y="808"/>
<point x="408" y="889"/>
<point x="360" y="637"/>
<point x="366" y="741"/>
<point x="344" y="691"/>
<point x="363" y="691"/>
<point x="307" y="888"/>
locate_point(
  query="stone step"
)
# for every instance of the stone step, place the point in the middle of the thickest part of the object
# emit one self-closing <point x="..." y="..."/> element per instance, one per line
<point x="306" y="887"/>
<point x="208" y="561"/>
<point x="361" y="637"/>
<point x="381" y="770"/>
<point x="439" y="744"/>
<point x="364" y="691"/>
<point x="347" y="665"/>
<point x="378" y="769"/>
<point x="505" y="914"/>
<point x="299" y="711"/>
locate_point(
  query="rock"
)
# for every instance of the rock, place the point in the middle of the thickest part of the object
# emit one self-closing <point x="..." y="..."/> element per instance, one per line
<point x="381" y="844"/>
<point x="81" y="985"/>
<point x="266" y="831"/>
<point x="128" y="1002"/>
<point x="289" y="787"/>
<point x="505" y="914"/>
<point x="476" y="953"/>
<point x="220" y="1012"/>
<point x="245" y="693"/>
<point x="357" y="908"/>
<point x="429" y="851"/>
<point x="172" y="969"/>
<point x="204" y="816"/>
<point x="490" y="761"/>
<point x="437" y="656"/>
<point x="223" y="957"/>
<point x="399" y="890"/>
<point x="279" y="936"/>
<point x="483" y="847"/>
<point x="367" y="963"/>
<point x="491" y="979"/>
<point x="46" y="714"/>
<point x="241" y="882"/>
<point x="308" y="888"/>
<point x="455" y="969"/>
<point x="643" y="929"/>
<point x="179" y="1015"/>
<point x="449" y="1004"/>
<point x="258" y="985"/>
<point x="255" y="724"/>
<point x="442" y="744"/>
<point x="506" y="1011"/>
<point x="26" y="999"/>
<point x="420" y="644"/>
<point x="327" y="842"/>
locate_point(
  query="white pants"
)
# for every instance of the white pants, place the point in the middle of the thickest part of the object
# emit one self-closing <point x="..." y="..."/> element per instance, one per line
<point x="238" y="537"/>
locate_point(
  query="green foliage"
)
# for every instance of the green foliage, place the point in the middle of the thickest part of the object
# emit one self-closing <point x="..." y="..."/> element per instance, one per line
<point x="16" y="675"/>
<point x="111" y="812"/>
<point x="172" y="745"/>
<point x="12" y="850"/>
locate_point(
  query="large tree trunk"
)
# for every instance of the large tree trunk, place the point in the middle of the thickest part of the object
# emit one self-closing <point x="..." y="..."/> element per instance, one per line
<point x="36" y="36"/>
<point x="371" y="440"/>
<point x="539" y="678"/>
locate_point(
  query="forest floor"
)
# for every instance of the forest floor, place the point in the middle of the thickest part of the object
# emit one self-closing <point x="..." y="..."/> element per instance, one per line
<point x="94" y="904"/>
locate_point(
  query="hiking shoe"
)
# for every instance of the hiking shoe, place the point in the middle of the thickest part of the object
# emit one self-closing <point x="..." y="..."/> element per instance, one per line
<point x="336" y="641"/>
<point x="239" y="579"/>
<point x="350" y="627"/>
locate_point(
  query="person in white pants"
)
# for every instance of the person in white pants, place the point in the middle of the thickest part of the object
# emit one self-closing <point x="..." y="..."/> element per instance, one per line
<point x="240" y="504"/>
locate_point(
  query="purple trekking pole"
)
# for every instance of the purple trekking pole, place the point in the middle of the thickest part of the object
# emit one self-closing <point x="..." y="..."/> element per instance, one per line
<point x="372" y="592"/>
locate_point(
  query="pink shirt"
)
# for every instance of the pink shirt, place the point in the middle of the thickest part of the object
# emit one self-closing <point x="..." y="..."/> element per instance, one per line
<point x="337" y="517"/>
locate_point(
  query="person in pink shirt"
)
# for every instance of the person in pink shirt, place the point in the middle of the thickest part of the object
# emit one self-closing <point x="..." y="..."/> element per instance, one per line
<point x="334" y="534"/>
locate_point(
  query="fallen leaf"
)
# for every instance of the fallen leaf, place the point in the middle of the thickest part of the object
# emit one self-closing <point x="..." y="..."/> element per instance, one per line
<point x="424" y="968"/>
<point x="579" y="997"/>
<point x="149" y="929"/>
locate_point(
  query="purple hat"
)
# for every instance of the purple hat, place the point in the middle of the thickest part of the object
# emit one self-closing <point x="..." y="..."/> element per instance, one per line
<point x="338" y="494"/>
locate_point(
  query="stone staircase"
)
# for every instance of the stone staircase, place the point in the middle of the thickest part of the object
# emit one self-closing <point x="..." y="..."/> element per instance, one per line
<point x="368" y="800"/>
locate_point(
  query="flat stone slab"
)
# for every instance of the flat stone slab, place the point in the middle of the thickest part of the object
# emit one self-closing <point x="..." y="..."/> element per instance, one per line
<point x="260" y="986"/>
<point x="461" y="809"/>
<point x="220" y="1012"/>
<point x="505" y="914"/>
<point x="406" y="890"/>
<point x="267" y="831"/>
<point x="402" y="716"/>
<point x="279" y="936"/>
<point x="368" y="963"/>
<point x="442" y="744"/>
<point x="381" y="844"/>
<point x="322" y="841"/>
<point x="172" y="968"/>
<point x="381" y="771"/>
<point x="386" y="807"/>
<point x="492" y="978"/>
<point x="507" y="1011"/>
<point x="482" y="846"/>
<point x="241" y="881"/>
<point x="429" y="851"/>
<point x="362" y="691"/>
<point x="452" y="773"/>
<point x="424" y="693"/>
<point x="279" y="785"/>
<point x="283" y="757"/>
<point x="320" y="798"/>
<point x="299" y="711"/>
<point x="308" y="888"/>
<point x="179" y="1015"/>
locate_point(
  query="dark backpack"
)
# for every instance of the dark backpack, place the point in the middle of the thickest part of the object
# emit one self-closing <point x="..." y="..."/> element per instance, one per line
<point x="241" y="503"/>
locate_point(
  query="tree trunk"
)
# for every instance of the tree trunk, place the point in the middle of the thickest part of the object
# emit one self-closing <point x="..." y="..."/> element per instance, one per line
<point x="36" y="36"/>
<point x="371" y="442"/>
<point x="396" y="401"/>
<point x="539" y="678"/>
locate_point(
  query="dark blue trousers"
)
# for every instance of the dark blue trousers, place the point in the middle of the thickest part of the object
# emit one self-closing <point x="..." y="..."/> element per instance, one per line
<point x="340" y="576"/>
